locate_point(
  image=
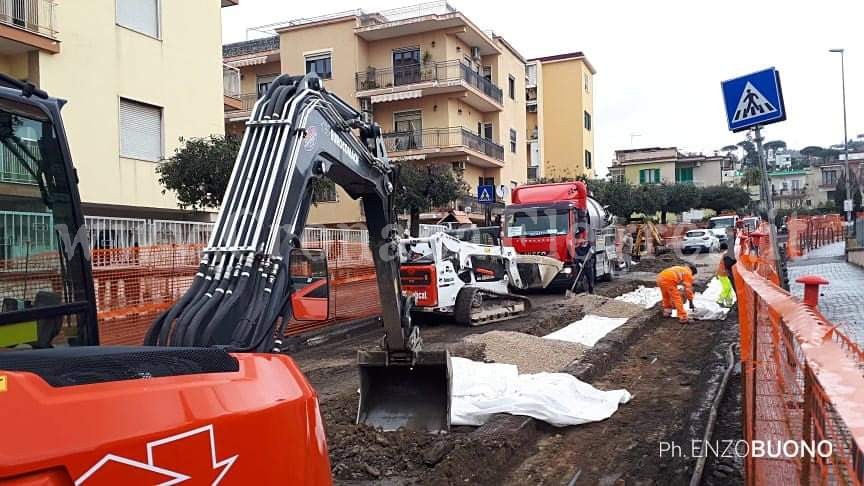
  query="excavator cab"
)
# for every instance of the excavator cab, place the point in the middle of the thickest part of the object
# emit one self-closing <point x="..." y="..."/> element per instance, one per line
<point x="46" y="294"/>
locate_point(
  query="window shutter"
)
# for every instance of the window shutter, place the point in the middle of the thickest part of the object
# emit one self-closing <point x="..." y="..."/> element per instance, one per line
<point x="140" y="131"/>
<point x="656" y="175"/>
<point x="642" y="176"/>
<point x="139" y="15"/>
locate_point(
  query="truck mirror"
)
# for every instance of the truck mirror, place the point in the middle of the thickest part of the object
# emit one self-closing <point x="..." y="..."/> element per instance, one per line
<point x="310" y="298"/>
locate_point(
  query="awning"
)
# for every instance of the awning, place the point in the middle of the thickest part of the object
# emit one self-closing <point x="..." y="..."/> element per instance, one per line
<point x="402" y="95"/>
<point x="410" y="157"/>
<point x="250" y="61"/>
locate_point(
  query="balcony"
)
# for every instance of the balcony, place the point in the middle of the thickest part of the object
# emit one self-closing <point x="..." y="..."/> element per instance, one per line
<point x="26" y="25"/>
<point x="231" y="87"/>
<point x="442" y="142"/>
<point x="405" y="82"/>
<point x="790" y="193"/>
<point x="242" y="109"/>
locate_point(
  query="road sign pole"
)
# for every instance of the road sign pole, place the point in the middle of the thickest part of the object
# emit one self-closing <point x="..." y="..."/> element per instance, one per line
<point x="768" y="205"/>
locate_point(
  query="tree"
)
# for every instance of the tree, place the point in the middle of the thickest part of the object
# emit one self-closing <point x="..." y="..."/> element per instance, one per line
<point x="199" y="170"/>
<point x="750" y="158"/>
<point x="421" y="187"/>
<point x="680" y="198"/>
<point x="752" y="176"/>
<point x="812" y="151"/>
<point x="729" y="149"/>
<point x="775" y="145"/>
<point x="840" y="191"/>
<point x="724" y="198"/>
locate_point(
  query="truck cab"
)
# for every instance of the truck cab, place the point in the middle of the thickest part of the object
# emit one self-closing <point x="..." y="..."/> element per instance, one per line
<point x="719" y="225"/>
<point x="560" y="221"/>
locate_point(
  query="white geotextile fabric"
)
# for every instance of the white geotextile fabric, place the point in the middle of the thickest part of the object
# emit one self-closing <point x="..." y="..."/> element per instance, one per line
<point x="483" y="389"/>
<point x="647" y="297"/>
<point x="707" y="308"/>
<point x="588" y="330"/>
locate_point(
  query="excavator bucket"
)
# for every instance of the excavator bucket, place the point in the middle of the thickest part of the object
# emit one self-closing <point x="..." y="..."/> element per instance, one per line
<point x="414" y="396"/>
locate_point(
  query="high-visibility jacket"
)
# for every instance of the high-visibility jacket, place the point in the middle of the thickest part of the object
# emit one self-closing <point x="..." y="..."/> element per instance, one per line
<point x="677" y="275"/>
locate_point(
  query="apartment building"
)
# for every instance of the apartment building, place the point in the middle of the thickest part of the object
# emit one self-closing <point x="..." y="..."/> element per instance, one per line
<point x="657" y="165"/>
<point x="137" y="74"/>
<point x="443" y="90"/>
<point x="559" y="109"/>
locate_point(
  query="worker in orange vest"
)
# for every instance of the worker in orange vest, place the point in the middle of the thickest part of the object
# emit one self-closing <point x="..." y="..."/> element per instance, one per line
<point x="668" y="280"/>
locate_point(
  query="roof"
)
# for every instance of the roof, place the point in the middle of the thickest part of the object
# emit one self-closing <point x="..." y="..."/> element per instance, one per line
<point x="456" y="216"/>
<point x="566" y="56"/>
<point x="507" y="45"/>
<point x="781" y="173"/>
<point x="243" y="48"/>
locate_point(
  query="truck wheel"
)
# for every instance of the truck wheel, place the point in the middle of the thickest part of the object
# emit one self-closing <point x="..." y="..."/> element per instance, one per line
<point x="466" y="300"/>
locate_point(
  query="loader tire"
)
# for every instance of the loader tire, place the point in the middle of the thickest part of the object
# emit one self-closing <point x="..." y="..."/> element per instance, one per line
<point x="465" y="301"/>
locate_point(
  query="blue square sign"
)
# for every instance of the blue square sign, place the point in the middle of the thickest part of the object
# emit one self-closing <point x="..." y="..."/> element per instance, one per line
<point x="754" y="99"/>
<point x="486" y="194"/>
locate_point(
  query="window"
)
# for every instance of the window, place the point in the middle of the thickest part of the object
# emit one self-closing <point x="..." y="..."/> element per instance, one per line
<point x="511" y="87"/>
<point x="587" y="79"/>
<point x="140" y="131"/>
<point x="487" y="73"/>
<point x="512" y="140"/>
<point x="484" y="130"/>
<point x="829" y="177"/>
<point x="587" y="121"/>
<point x="139" y="15"/>
<point x="262" y="83"/>
<point x="485" y="181"/>
<point x="796" y="184"/>
<point x="588" y="161"/>
<point x="406" y="66"/>
<point x="409" y="128"/>
<point x="320" y="64"/>
<point x="649" y="176"/>
<point x="684" y="175"/>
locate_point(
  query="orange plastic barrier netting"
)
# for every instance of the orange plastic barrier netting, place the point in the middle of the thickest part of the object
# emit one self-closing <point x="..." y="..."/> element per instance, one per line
<point x="810" y="232"/>
<point x="802" y="382"/>
<point x="134" y="285"/>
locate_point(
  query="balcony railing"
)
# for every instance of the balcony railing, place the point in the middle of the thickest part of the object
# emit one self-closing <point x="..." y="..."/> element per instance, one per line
<point x="231" y="81"/>
<point x="35" y="16"/>
<point x="12" y="169"/>
<point x="790" y="192"/>
<point x="405" y="13"/>
<point x="442" y="138"/>
<point x="375" y="78"/>
<point x="247" y="101"/>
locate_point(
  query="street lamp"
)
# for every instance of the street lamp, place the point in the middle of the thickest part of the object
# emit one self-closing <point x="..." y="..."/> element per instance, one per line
<point x="845" y="136"/>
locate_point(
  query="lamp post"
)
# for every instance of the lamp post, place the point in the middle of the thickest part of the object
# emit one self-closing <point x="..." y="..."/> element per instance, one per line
<point x="845" y="136"/>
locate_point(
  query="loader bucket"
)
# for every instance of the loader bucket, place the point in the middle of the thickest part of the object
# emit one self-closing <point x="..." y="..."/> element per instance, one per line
<point x="395" y="394"/>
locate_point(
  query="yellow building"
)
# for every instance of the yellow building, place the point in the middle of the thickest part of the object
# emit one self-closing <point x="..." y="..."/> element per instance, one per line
<point x="668" y="165"/>
<point x="443" y="90"/>
<point x="137" y="75"/>
<point x="560" y="110"/>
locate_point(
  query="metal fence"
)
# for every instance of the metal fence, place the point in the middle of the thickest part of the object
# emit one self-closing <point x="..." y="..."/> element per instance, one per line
<point x="24" y="234"/>
<point x="11" y="168"/>
<point x="439" y="72"/>
<point x="802" y="381"/>
<point x="452" y="137"/>
<point x="36" y="16"/>
<point x="404" y="13"/>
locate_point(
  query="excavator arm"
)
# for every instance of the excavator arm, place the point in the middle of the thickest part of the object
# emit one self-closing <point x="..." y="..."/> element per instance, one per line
<point x="240" y="298"/>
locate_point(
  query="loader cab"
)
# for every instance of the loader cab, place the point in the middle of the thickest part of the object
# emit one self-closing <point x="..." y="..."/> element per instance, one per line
<point x="46" y="291"/>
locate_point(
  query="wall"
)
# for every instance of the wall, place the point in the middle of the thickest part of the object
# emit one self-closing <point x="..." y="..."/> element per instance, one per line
<point x="17" y="66"/>
<point x="667" y="172"/>
<point x="249" y="75"/>
<point x="708" y="174"/>
<point x="513" y="116"/>
<point x="346" y="60"/>
<point x="348" y="54"/>
<point x="100" y="62"/>
<point x="380" y="52"/>
<point x="563" y="148"/>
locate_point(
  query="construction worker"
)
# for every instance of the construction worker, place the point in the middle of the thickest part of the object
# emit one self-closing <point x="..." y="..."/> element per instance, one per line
<point x="627" y="250"/>
<point x="724" y="274"/>
<point x="668" y="280"/>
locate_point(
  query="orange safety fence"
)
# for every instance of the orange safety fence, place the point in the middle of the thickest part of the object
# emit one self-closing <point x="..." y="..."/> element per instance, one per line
<point x="810" y="232"/>
<point x="134" y="285"/>
<point x="803" y="386"/>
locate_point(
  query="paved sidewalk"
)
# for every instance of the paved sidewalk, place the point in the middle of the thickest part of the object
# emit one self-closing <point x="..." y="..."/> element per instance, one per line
<point x="842" y="300"/>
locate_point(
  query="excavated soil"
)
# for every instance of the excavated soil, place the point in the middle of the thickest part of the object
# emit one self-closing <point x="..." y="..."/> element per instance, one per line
<point x="658" y="263"/>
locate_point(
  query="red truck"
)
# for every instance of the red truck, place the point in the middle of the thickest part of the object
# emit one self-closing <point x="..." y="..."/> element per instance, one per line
<point x="555" y="220"/>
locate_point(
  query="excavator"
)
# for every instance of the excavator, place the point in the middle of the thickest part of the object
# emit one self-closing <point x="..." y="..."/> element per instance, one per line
<point x="209" y="397"/>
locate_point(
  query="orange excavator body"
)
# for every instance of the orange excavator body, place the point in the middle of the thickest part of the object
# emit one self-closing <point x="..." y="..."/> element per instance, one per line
<point x="226" y="428"/>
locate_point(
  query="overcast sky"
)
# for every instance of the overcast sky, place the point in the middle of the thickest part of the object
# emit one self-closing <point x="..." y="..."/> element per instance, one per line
<point x="659" y="64"/>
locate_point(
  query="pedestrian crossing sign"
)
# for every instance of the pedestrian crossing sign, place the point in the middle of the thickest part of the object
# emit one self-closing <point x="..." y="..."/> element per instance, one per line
<point x="486" y="194"/>
<point x="754" y="99"/>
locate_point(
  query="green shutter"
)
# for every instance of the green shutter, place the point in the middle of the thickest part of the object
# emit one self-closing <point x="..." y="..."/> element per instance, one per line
<point x="656" y="176"/>
<point x="642" y="176"/>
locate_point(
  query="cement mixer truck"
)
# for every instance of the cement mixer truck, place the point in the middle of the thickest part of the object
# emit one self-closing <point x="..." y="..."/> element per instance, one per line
<point x="557" y="220"/>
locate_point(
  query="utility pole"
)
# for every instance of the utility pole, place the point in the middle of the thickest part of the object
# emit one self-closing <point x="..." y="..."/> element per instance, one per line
<point x="845" y="135"/>
<point x="768" y="204"/>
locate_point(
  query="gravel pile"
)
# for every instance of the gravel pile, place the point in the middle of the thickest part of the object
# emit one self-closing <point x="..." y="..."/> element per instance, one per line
<point x="618" y="308"/>
<point x="589" y="302"/>
<point x="531" y="354"/>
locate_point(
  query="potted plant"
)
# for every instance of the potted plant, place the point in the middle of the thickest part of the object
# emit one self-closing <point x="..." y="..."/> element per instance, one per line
<point x="428" y="71"/>
<point x="371" y="81"/>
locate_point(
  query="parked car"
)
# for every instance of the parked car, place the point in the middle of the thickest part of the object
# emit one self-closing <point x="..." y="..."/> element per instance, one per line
<point x="701" y="241"/>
